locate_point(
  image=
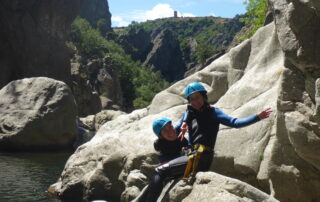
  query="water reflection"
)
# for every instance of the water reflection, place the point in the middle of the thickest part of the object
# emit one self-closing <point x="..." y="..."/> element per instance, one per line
<point x="26" y="176"/>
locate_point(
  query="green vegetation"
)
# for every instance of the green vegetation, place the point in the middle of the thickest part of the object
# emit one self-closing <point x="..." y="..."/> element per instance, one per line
<point x="139" y="84"/>
<point x="256" y="14"/>
<point x="88" y="40"/>
<point x="211" y="34"/>
<point x="102" y="26"/>
<point x="203" y="51"/>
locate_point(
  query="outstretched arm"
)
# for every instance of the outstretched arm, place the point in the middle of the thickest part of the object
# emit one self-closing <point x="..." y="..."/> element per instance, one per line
<point x="240" y="122"/>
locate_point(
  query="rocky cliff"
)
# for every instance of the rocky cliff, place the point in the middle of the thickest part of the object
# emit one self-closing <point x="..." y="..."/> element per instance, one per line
<point x="278" y="67"/>
<point x="178" y="40"/>
<point x="166" y="56"/>
<point x="32" y="38"/>
<point x="96" y="85"/>
<point x="95" y="10"/>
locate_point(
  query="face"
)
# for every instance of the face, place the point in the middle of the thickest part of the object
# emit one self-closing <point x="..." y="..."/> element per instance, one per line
<point x="196" y="100"/>
<point x="168" y="132"/>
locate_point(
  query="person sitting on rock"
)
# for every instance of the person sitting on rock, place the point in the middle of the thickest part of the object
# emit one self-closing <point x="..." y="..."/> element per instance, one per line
<point x="172" y="161"/>
<point x="202" y="123"/>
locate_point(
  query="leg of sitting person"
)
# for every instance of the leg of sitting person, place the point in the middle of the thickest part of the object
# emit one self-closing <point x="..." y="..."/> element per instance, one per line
<point x="172" y="169"/>
<point x="155" y="187"/>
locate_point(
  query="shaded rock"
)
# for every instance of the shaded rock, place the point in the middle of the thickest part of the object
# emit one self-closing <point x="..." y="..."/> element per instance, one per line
<point x="105" y="116"/>
<point x="37" y="114"/>
<point x="88" y="101"/>
<point x="89" y="121"/>
<point x="136" y="43"/>
<point x="84" y="134"/>
<point x="94" y="122"/>
<point x="166" y="56"/>
<point x="136" y="181"/>
<point x="297" y="35"/>
<point x="32" y="38"/>
<point x="94" y="10"/>
<point x="96" y="85"/>
<point x="269" y="14"/>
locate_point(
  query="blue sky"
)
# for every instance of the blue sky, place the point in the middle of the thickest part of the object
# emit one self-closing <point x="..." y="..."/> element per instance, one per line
<point x="125" y="11"/>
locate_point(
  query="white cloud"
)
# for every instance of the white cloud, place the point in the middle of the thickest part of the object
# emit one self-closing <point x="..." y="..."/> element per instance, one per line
<point x="188" y="15"/>
<point x="159" y="11"/>
<point x="213" y="14"/>
<point x="118" y="21"/>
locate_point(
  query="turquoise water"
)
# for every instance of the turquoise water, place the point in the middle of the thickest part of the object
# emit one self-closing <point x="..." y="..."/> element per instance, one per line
<point x="25" y="177"/>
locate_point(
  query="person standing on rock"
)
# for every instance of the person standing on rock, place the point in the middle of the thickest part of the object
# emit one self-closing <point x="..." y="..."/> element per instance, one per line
<point x="202" y="123"/>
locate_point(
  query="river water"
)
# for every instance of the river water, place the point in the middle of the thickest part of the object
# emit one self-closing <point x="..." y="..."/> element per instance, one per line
<point x="25" y="177"/>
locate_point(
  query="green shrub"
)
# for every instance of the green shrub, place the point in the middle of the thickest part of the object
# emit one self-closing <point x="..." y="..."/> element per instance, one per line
<point x="102" y="26"/>
<point x="77" y="29"/>
<point x="139" y="84"/>
<point x="255" y="16"/>
<point x="93" y="43"/>
<point x="88" y="40"/>
<point x="203" y="51"/>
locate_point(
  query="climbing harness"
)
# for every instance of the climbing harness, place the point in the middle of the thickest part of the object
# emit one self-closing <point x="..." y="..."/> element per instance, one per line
<point x="194" y="158"/>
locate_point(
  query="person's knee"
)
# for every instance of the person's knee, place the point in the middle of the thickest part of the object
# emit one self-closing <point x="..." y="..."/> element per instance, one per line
<point x="162" y="170"/>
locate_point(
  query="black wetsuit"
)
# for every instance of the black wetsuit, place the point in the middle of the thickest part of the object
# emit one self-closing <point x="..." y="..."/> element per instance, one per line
<point x="172" y="165"/>
<point x="169" y="150"/>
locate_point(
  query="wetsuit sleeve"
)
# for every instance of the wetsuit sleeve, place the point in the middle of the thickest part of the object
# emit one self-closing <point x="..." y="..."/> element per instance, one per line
<point x="234" y="122"/>
<point x="183" y="119"/>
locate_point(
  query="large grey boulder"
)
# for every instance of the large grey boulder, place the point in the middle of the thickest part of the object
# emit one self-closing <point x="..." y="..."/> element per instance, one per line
<point x="120" y="146"/>
<point x="210" y="186"/>
<point x="278" y="68"/>
<point x="37" y="114"/>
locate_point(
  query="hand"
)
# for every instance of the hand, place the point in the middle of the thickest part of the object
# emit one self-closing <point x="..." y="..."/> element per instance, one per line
<point x="265" y="113"/>
<point x="183" y="130"/>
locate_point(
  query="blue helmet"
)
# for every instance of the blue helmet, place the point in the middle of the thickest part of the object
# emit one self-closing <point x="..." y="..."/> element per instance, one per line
<point x="193" y="88"/>
<point x="158" y="124"/>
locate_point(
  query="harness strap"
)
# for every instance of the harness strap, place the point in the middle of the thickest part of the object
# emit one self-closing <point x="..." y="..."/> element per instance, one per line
<point x="194" y="158"/>
<point x="189" y="166"/>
